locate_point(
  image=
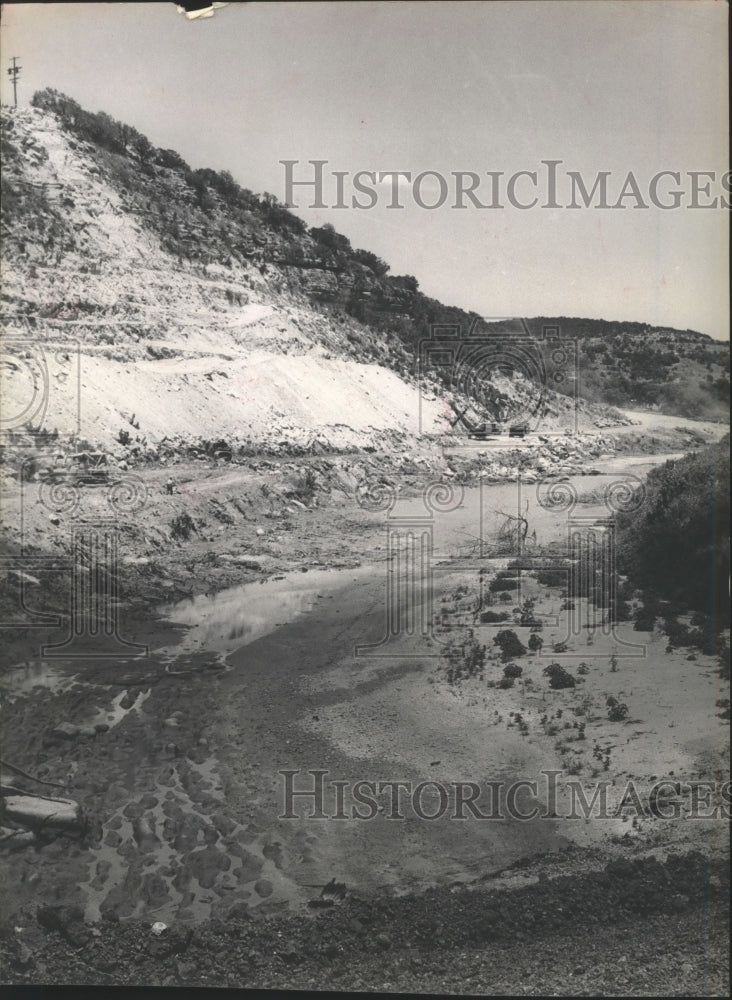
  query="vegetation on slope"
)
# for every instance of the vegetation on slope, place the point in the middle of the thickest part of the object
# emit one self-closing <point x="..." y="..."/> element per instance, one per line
<point x="677" y="545"/>
<point x="206" y="216"/>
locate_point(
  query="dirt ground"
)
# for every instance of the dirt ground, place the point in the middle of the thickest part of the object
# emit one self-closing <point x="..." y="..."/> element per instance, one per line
<point x="252" y="626"/>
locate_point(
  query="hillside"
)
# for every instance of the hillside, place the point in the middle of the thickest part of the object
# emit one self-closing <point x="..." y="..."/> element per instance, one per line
<point x="192" y="350"/>
<point x="633" y="364"/>
<point x="176" y="342"/>
<point x="196" y="310"/>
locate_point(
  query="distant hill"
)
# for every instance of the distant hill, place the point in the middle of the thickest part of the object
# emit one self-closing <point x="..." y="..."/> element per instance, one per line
<point x="637" y="365"/>
<point x="240" y="252"/>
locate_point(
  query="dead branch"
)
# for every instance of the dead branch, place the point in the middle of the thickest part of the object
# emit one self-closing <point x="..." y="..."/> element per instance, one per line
<point x="17" y="770"/>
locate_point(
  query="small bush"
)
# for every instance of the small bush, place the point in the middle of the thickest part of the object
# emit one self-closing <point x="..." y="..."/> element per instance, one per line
<point x="535" y="643"/>
<point x="620" y="611"/>
<point x="559" y="677"/>
<point x="493" y="617"/>
<point x="617" y="712"/>
<point x="306" y="486"/>
<point x="723" y="660"/>
<point x="526" y="612"/>
<point x="644" y="619"/>
<point x="182" y="527"/>
<point x="509" y="644"/>
<point x="512" y="670"/>
<point x="465" y="661"/>
<point x="552" y="577"/>
<point x="678" y="634"/>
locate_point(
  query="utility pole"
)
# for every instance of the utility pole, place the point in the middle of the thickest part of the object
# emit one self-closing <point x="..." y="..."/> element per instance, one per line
<point x="13" y="73"/>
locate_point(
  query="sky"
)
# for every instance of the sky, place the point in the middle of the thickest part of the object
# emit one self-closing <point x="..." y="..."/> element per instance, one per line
<point x="601" y="85"/>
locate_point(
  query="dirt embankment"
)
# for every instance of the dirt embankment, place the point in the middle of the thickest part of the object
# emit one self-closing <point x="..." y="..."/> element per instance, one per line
<point x="234" y="518"/>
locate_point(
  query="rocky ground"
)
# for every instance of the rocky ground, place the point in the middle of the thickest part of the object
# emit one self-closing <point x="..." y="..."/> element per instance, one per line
<point x="634" y="928"/>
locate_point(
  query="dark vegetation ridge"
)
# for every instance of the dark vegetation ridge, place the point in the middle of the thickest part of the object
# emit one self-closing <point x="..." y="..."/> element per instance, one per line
<point x="676" y="547"/>
<point x="205" y="216"/>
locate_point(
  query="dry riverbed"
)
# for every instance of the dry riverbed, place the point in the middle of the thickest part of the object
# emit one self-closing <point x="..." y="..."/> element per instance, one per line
<point x="178" y="758"/>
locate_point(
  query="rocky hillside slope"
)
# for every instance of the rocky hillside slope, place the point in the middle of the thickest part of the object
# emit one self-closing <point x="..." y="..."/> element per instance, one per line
<point x="146" y="303"/>
<point x="134" y="343"/>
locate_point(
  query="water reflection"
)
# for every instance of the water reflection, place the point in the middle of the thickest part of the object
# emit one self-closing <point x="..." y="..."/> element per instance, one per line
<point x="233" y="618"/>
<point x="31" y="674"/>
